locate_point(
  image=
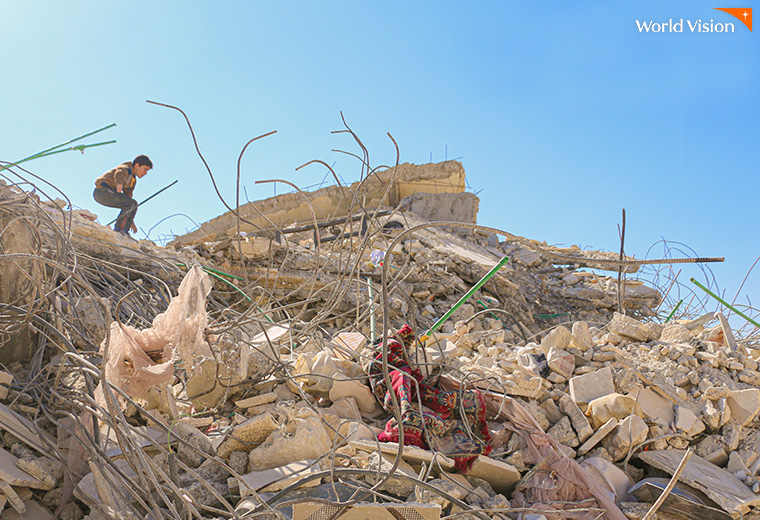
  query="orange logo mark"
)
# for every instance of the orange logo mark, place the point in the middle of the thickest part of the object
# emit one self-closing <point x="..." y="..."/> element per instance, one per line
<point x="740" y="13"/>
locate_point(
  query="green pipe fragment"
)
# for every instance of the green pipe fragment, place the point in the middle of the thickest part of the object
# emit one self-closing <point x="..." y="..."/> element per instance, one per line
<point x="673" y="311"/>
<point x="737" y="311"/>
<point x="550" y="316"/>
<point x="43" y="153"/>
<point x="466" y="297"/>
<point x="486" y="307"/>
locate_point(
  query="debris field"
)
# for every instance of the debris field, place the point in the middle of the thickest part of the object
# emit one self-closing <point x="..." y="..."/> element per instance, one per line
<point x="268" y="363"/>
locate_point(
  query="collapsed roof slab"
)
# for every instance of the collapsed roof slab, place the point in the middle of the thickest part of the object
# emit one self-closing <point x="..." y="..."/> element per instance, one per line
<point x="384" y="188"/>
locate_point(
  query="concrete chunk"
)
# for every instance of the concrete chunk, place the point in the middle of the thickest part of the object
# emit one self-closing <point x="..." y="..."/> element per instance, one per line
<point x="579" y="421"/>
<point x="629" y="432"/>
<point x="406" y="511"/>
<point x="745" y="405"/>
<point x="255" y="430"/>
<point x="277" y="479"/>
<point x="500" y="475"/>
<point x="587" y="387"/>
<point x="630" y="328"/>
<point x="257" y="400"/>
<point x="599" y="434"/>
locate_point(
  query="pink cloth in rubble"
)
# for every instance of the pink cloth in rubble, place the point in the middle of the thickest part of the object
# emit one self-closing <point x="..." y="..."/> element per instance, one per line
<point x="177" y="333"/>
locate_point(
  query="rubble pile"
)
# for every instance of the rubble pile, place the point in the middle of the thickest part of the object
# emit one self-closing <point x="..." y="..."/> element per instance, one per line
<point x="227" y="375"/>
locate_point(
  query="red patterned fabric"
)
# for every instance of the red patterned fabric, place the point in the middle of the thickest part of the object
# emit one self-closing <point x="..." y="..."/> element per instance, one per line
<point x="443" y="426"/>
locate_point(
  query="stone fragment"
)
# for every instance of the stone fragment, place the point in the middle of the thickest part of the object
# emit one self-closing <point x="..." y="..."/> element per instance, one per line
<point x="629" y="432"/>
<point x="579" y="421"/>
<point x="561" y="362"/>
<point x="688" y="422"/>
<point x="5" y="383"/>
<point x="598" y="435"/>
<point x="196" y="446"/>
<point x="277" y="479"/>
<point x="581" y="336"/>
<point x="745" y="405"/>
<point x="536" y="412"/>
<point x="558" y="338"/>
<point x="500" y="475"/>
<point x="604" y="408"/>
<point x="563" y="433"/>
<point x="303" y="437"/>
<point x="629" y="327"/>
<point x="383" y="463"/>
<point x="305" y="510"/>
<point x="736" y="464"/>
<point x="253" y="431"/>
<point x="427" y="496"/>
<point x="551" y="410"/>
<point x="587" y="387"/>
<point x="256" y="400"/>
<point x="365" y="399"/>
<point x="654" y="406"/>
<point x="721" y="486"/>
<point x="751" y="377"/>
<point x="675" y="333"/>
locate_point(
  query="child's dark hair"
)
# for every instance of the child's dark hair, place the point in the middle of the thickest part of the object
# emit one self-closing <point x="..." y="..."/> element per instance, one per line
<point x="142" y="160"/>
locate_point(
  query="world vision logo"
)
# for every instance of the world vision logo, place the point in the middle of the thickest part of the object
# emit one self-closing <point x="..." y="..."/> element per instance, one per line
<point x="744" y="15"/>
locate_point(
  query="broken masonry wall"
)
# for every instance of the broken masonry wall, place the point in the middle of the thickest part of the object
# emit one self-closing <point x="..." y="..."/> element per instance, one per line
<point x="335" y="202"/>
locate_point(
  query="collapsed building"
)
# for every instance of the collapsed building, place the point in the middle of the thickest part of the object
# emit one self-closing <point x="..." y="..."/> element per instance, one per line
<point x="229" y="374"/>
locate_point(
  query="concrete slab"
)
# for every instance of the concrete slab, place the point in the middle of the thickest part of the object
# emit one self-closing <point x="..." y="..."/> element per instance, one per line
<point x="411" y="454"/>
<point x="500" y="475"/>
<point x="599" y="434"/>
<point x="721" y="486"/>
<point x="407" y="511"/>
<point x="587" y="387"/>
<point x="745" y="405"/>
<point x="277" y="479"/>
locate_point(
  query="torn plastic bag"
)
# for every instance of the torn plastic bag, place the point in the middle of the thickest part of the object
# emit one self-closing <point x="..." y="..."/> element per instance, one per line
<point x="176" y="334"/>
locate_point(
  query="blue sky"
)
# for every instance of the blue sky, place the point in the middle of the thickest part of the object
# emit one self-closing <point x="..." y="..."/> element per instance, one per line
<point x="561" y="113"/>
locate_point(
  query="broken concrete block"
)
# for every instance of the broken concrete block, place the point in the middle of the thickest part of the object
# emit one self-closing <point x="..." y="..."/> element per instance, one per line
<point x="745" y="405"/>
<point x="599" y="434"/>
<point x="426" y="496"/>
<point x="688" y="422"/>
<point x="563" y="433"/>
<point x="629" y="327"/>
<point x="558" y="338"/>
<point x="500" y="475"/>
<point x="407" y="511"/>
<point x="257" y="400"/>
<point x="551" y="411"/>
<point x="12" y="474"/>
<point x="736" y="464"/>
<point x="615" y="405"/>
<point x="581" y="336"/>
<point x="561" y="362"/>
<point x="411" y="454"/>
<point x="195" y="439"/>
<point x="629" y="432"/>
<point x="721" y="486"/>
<point x="654" y="406"/>
<point x="253" y="431"/>
<point x="5" y="383"/>
<point x="675" y="332"/>
<point x="277" y="479"/>
<point x="587" y="387"/>
<point x="579" y="421"/>
<point x="383" y="462"/>
<point x="303" y="437"/>
<point x="364" y="397"/>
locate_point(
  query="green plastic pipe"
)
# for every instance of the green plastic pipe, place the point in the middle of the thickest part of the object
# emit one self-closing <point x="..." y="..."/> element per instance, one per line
<point x="486" y="308"/>
<point x="81" y="147"/>
<point x="466" y="297"/>
<point x="673" y="311"/>
<point x="737" y="311"/>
